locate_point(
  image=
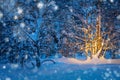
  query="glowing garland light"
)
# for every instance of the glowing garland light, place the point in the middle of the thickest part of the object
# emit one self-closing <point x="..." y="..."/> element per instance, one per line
<point x="95" y="45"/>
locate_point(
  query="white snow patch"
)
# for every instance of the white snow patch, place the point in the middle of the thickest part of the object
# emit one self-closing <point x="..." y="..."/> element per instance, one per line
<point x="68" y="67"/>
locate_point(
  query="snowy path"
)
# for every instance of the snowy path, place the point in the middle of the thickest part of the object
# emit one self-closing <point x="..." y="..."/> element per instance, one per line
<point x="64" y="69"/>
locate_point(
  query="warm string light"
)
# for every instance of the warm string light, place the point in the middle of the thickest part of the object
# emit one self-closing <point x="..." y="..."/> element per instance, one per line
<point x="95" y="45"/>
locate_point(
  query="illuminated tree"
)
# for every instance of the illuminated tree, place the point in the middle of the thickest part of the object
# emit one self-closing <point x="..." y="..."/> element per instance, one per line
<point x="96" y="37"/>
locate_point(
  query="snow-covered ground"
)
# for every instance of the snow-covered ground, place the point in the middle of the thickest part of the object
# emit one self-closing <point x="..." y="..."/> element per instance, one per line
<point x="89" y="61"/>
<point x="64" y="69"/>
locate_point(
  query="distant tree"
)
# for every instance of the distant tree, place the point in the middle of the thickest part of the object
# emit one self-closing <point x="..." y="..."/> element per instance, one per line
<point x="21" y="29"/>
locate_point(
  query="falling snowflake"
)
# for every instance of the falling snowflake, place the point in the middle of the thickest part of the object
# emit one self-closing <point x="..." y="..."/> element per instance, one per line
<point x="28" y="28"/>
<point x="20" y="10"/>
<point x="4" y="24"/>
<point x="33" y="33"/>
<point x="118" y="17"/>
<point x="8" y="78"/>
<point x="108" y="69"/>
<point x="4" y="67"/>
<point x="26" y="78"/>
<point x="20" y="38"/>
<point x="78" y="78"/>
<point x="1" y="14"/>
<point x="55" y="7"/>
<point x="71" y="10"/>
<point x="40" y="5"/>
<point x="26" y="56"/>
<point x="6" y="39"/>
<point x="55" y="71"/>
<point x="85" y="72"/>
<point x="22" y="25"/>
<point x="116" y="73"/>
<point x="107" y="74"/>
<point x="111" y="1"/>
<point x="15" y="17"/>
